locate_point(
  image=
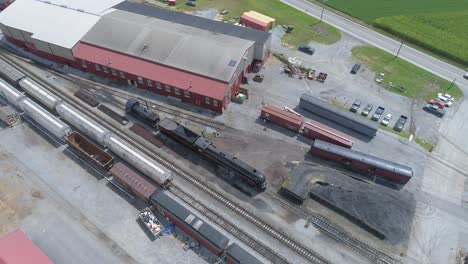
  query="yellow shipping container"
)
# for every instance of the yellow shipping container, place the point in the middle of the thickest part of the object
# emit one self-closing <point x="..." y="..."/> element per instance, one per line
<point x="265" y="19"/>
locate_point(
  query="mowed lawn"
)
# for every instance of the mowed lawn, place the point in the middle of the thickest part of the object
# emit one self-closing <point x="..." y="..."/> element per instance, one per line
<point x="418" y="83"/>
<point x="307" y="28"/>
<point x="440" y="26"/>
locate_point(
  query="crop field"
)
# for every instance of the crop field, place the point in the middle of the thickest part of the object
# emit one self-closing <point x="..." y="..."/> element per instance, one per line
<point x="440" y="26"/>
<point x="417" y="83"/>
<point x="306" y="28"/>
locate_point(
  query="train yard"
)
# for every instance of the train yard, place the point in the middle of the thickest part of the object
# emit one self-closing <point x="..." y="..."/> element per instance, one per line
<point x="373" y="255"/>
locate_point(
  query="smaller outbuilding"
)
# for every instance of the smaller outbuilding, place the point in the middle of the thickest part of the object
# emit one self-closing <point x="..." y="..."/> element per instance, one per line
<point x="257" y="21"/>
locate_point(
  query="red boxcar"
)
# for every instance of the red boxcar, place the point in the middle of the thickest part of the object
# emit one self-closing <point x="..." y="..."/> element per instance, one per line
<point x="133" y="181"/>
<point x="253" y="23"/>
<point x="282" y="117"/>
<point x="315" y="130"/>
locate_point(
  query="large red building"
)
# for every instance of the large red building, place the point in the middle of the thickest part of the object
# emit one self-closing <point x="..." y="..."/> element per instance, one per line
<point x="189" y="58"/>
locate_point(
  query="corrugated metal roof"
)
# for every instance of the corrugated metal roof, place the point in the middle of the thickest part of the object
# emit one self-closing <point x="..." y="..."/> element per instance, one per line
<point x="88" y="6"/>
<point x="176" y="45"/>
<point x="17" y="248"/>
<point x="184" y="215"/>
<point x="50" y="23"/>
<point x="194" y="21"/>
<point x="368" y="159"/>
<point x="149" y="70"/>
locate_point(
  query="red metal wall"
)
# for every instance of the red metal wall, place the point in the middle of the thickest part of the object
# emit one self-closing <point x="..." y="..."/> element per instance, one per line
<point x="391" y="176"/>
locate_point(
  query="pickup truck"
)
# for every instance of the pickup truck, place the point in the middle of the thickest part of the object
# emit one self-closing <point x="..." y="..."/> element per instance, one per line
<point x="400" y="123"/>
<point x="378" y="113"/>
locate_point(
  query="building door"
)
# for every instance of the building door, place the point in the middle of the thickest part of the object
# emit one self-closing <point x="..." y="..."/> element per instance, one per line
<point x="197" y="102"/>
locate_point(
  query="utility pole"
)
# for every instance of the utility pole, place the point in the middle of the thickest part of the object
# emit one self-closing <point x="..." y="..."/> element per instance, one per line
<point x="323" y="9"/>
<point x="399" y="49"/>
<point x="452" y="83"/>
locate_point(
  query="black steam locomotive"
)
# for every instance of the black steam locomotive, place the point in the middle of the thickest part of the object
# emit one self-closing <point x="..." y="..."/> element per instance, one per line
<point x="136" y="109"/>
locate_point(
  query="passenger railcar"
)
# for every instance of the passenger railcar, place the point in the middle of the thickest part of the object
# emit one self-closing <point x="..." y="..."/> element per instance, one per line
<point x="191" y="224"/>
<point x="134" y="107"/>
<point x="39" y="93"/>
<point x="383" y="169"/>
<point x="133" y="182"/>
<point x="315" y="130"/>
<point x="44" y="118"/>
<point x="139" y="160"/>
<point x="237" y="255"/>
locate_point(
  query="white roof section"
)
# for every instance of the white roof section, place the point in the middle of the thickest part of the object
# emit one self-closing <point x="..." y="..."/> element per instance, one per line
<point x="95" y="7"/>
<point x="176" y="45"/>
<point x="50" y="23"/>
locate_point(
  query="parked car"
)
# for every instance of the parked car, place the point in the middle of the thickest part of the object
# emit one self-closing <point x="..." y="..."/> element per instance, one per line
<point x="400" y="123"/>
<point x="465" y="76"/>
<point x="434" y="109"/>
<point x="437" y="102"/>
<point x="355" y="106"/>
<point x="191" y="3"/>
<point x="447" y="98"/>
<point x="378" y="113"/>
<point x="306" y="49"/>
<point x="355" y="68"/>
<point x="386" y="120"/>
<point x="367" y="110"/>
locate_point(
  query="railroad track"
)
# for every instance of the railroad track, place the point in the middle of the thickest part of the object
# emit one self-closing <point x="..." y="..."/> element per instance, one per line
<point x="308" y="254"/>
<point x="234" y="230"/>
<point x="94" y="88"/>
<point x="324" y="226"/>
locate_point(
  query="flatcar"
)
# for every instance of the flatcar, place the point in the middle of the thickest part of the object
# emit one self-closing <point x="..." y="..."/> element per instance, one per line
<point x="87" y="150"/>
<point x="237" y="255"/>
<point x="139" y="160"/>
<point x="385" y="170"/>
<point x="190" y="223"/>
<point x="191" y="139"/>
<point x="39" y="93"/>
<point x="135" y="108"/>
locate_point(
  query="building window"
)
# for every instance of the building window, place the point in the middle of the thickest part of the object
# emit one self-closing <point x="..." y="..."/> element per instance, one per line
<point x="168" y="88"/>
<point x="114" y="72"/>
<point x="105" y="69"/>
<point x="207" y="100"/>
<point x="177" y="91"/>
<point x="187" y="94"/>
<point x="215" y="102"/>
<point x="149" y="82"/>
<point x="140" y="80"/>
<point x="122" y="74"/>
<point x="158" y="85"/>
<point x="98" y="68"/>
<point x="84" y="64"/>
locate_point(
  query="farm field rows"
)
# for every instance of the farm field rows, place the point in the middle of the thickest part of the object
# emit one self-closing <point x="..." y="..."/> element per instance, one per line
<point x="439" y="26"/>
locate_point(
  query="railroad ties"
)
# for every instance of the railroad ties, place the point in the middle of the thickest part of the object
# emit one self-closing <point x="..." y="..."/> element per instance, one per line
<point x="324" y="225"/>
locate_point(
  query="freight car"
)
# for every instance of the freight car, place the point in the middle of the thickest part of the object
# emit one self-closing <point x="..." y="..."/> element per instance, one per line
<point x="186" y="136"/>
<point x="340" y="116"/>
<point x="191" y="224"/>
<point x="83" y="123"/>
<point x="237" y="255"/>
<point x="139" y="160"/>
<point x="282" y="117"/>
<point x="44" y="119"/>
<point x="135" y="108"/>
<point x="12" y="95"/>
<point x="316" y="130"/>
<point x="384" y="170"/>
<point x="10" y="73"/>
<point x="85" y="149"/>
<point x="133" y="182"/>
<point x="39" y="93"/>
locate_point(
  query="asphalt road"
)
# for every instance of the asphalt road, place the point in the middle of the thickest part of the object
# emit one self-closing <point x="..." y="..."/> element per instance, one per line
<point x="376" y="39"/>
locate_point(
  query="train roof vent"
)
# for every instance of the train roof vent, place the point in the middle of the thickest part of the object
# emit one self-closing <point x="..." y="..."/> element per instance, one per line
<point x="198" y="224"/>
<point x="190" y="218"/>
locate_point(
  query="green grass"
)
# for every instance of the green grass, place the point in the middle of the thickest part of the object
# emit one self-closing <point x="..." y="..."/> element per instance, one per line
<point x="338" y="103"/>
<point x="436" y="26"/>
<point x="418" y="83"/>
<point x="403" y="133"/>
<point x="426" y="145"/>
<point x="306" y="29"/>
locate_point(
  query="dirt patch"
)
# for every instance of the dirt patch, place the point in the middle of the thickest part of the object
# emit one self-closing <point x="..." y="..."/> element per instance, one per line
<point x="320" y="30"/>
<point x="429" y="88"/>
<point x="11" y="207"/>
